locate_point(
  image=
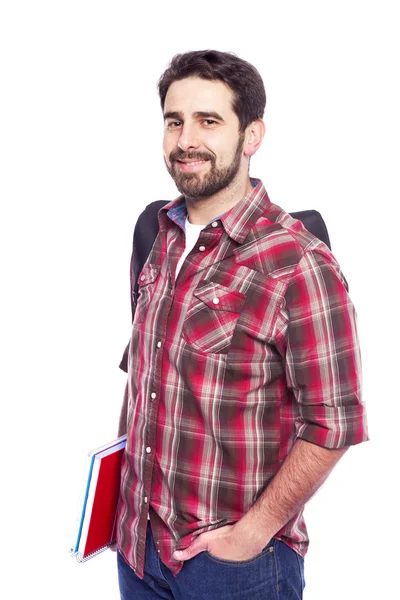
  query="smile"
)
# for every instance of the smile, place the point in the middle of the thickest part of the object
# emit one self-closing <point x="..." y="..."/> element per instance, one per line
<point x="192" y="165"/>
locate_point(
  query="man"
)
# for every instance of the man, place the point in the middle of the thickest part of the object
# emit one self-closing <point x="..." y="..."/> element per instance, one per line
<point x="243" y="371"/>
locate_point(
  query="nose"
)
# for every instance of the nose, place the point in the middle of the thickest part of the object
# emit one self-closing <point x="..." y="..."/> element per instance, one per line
<point x="188" y="140"/>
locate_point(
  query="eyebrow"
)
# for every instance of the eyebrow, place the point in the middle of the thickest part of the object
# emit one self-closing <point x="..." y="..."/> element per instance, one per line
<point x="200" y="114"/>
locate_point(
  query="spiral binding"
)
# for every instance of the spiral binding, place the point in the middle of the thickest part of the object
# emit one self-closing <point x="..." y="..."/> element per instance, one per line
<point x="82" y="559"/>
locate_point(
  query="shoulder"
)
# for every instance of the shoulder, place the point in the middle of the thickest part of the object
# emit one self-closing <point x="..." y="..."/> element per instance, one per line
<point x="278" y="245"/>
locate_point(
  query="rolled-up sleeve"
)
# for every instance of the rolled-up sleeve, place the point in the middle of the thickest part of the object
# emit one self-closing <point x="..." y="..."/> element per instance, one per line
<point x="322" y="355"/>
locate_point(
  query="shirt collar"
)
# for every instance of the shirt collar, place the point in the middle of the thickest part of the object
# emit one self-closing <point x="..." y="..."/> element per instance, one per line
<point x="237" y="221"/>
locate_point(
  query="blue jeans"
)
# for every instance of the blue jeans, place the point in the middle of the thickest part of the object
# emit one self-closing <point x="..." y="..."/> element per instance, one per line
<point x="277" y="573"/>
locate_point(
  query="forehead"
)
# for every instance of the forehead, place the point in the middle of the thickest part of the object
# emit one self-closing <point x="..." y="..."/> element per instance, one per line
<point x="193" y="94"/>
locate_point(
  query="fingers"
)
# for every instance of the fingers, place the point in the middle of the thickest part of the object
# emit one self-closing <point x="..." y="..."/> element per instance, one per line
<point x="199" y="545"/>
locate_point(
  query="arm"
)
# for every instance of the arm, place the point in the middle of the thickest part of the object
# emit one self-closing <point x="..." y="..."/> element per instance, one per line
<point x="302" y="473"/>
<point x="316" y="336"/>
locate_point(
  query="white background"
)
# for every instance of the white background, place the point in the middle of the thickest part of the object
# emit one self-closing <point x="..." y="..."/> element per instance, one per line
<point x="80" y="138"/>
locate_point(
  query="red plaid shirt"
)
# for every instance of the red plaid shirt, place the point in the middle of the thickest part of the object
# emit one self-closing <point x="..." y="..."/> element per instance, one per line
<point x="253" y="346"/>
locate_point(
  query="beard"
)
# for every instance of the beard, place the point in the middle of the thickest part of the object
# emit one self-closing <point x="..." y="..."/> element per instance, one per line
<point x="195" y="186"/>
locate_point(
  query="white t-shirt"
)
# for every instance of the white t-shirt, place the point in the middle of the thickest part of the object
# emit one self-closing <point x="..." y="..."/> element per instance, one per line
<point x="192" y="233"/>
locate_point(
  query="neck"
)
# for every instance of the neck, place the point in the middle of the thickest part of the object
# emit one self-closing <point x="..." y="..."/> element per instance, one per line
<point x="203" y="210"/>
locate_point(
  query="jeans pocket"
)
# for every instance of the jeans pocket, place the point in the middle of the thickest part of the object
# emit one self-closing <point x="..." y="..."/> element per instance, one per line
<point x="269" y="549"/>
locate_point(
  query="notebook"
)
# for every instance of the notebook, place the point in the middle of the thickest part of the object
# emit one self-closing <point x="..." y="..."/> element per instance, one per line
<point x="97" y="511"/>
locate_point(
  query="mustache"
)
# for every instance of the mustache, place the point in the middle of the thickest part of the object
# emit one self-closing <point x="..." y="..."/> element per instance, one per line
<point x="181" y="154"/>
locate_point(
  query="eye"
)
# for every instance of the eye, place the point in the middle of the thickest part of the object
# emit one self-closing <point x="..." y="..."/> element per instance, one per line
<point x="173" y="125"/>
<point x="209" y="122"/>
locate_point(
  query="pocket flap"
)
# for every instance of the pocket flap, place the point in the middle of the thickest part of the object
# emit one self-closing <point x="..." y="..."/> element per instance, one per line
<point x="219" y="297"/>
<point x="148" y="274"/>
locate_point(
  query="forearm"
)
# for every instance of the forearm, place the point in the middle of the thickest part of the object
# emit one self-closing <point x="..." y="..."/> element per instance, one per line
<point x="302" y="473"/>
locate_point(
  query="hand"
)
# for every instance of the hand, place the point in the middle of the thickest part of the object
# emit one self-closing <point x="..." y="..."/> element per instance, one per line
<point x="224" y="543"/>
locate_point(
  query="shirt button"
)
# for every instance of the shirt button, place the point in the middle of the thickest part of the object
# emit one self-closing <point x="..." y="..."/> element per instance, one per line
<point x="143" y="277"/>
<point x="148" y="449"/>
<point x="153" y="395"/>
<point x="214" y="224"/>
<point x="216" y="300"/>
<point x="202" y="248"/>
<point x="158" y="344"/>
<point x="145" y="499"/>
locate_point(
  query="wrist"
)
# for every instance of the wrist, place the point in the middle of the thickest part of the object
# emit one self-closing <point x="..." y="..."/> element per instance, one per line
<point x="248" y="528"/>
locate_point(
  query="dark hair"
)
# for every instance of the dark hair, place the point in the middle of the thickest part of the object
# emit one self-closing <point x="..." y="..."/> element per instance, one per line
<point x="242" y="78"/>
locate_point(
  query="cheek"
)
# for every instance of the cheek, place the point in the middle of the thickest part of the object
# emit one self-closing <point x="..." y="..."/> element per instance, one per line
<point x="167" y="149"/>
<point x="222" y="146"/>
<point x="170" y="144"/>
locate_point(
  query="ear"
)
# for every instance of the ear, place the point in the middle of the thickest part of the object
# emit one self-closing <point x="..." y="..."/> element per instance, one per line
<point x="253" y="137"/>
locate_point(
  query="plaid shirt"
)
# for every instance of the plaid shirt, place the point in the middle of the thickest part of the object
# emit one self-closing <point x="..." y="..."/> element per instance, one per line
<point x="253" y="346"/>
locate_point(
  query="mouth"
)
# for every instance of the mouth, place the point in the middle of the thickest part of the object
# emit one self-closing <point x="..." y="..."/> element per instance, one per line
<point x="189" y="166"/>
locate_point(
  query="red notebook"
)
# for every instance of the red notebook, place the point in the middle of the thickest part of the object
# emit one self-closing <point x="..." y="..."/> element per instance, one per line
<point x="96" y="521"/>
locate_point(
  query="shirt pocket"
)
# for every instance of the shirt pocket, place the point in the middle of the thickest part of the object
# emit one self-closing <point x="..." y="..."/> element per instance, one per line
<point x="146" y="282"/>
<point x="211" y="318"/>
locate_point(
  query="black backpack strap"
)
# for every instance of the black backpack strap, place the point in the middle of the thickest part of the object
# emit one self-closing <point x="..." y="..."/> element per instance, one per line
<point x="146" y="230"/>
<point x="144" y="235"/>
<point x="313" y="221"/>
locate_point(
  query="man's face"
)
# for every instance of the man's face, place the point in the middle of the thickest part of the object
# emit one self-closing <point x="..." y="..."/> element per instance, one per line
<point x="203" y="150"/>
